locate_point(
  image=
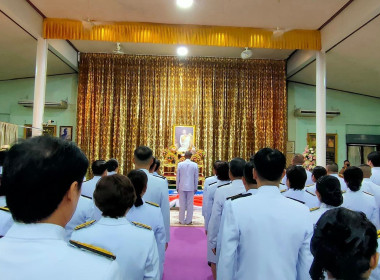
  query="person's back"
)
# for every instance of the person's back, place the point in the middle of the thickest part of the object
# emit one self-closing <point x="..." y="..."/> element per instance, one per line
<point x="34" y="247"/>
<point x="99" y="169"/>
<point x="266" y="235"/>
<point x="332" y="170"/>
<point x="374" y="161"/>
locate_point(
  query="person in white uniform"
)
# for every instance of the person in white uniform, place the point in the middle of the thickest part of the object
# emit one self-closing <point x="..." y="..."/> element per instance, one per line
<point x="344" y="246"/>
<point x="99" y="169"/>
<point x="42" y="181"/>
<point x="317" y="173"/>
<point x="296" y="178"/>
<point x="133" y="244"/>
<point x="357" y="200"/>
<point x="6" y="220"/>
<point x="299" y="160"/>
<point x="329" y="194"/>
<point x="332" y="170"/>
<point x="112" y="166"/>
<point x="187" y="185"/>
<point x="369" y="186"/>
<point x="148" y="213"/>
<point x="209" y="180"/>
<point x="221" y="194"/>
<point x="157" y="190"/>
<point x="373" y="160"/>
<point x="266" y="235"/>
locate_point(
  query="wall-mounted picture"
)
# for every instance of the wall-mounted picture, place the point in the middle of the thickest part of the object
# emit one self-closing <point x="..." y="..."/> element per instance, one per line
<point x="183" y="137"/>
<point x="66" y="133"/>
<point x="331" y="145"/>
<point x="50" y="130"/>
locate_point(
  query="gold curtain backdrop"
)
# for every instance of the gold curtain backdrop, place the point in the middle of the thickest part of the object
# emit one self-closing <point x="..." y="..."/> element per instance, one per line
<point x="237" y="106"/>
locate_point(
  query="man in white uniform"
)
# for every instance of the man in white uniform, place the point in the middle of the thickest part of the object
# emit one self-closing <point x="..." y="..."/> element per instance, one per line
<point x="374" y="161"/>
<point x="42" y="180"/>
<point x="298" y="159"/>
<point x="266" y="235"/>
<point x="207" y="182"/>
<point x="99" y="169"/>
<point x="332" y="169"/>
<point x="187" y="185"/>
<point x="368" y="186"/>
<point x="112" y="166"/>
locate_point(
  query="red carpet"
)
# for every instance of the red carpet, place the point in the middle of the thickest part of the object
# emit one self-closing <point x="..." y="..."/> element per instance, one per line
<point x="186" y="257"/>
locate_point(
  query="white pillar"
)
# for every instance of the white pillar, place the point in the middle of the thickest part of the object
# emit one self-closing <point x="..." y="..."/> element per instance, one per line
<point x="39" y="86"/>
<point x="321" y="108"/>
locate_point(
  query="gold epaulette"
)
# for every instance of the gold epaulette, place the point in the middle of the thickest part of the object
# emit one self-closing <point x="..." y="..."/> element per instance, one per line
<point x="282" y="191"/>
<point x="368" y="193"/>
<point x="309" y="185"/>
<point x="313" y="209"/>
<point x="142" y="225"/>
<point x="6" y="209"/>
<point x="310" y="193"/>
<point x="239" y="196"/>
<point x="343" y="191"/>
<point x="86" y="224"/>
<point x="94" y="249"/>
<point x="152" y="203"/>
<point x="378" y="233"/>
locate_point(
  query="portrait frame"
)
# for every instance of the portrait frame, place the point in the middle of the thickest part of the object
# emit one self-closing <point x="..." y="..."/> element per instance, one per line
<point x="177" y="130"/>
<point x="331" y="145"/>
<point x="50" y="130"/>
<point x="69" y="131"/>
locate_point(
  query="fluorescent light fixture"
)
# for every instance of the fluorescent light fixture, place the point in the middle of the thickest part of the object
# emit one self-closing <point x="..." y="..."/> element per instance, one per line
<point x="184" y="3"/>
<point x="182" y="51"/>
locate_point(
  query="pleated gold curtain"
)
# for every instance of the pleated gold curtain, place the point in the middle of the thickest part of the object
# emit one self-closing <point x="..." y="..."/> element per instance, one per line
<point x="237" y="106"/>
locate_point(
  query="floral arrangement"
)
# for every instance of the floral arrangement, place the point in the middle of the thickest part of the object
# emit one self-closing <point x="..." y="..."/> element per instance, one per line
<point x="201" y="154"/>
<point x="309" y="156"/>
<point x="181" y="159"/>
<point x="171" y="158"/>
<point x="173" y="149"/>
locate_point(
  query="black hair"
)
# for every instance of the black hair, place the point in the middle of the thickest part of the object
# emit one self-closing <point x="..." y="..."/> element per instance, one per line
<point x="112" y="165"/>
<point x="38" y="172"/>
<point x="248" y="173"/>
<point x="252" y="157"/>
<point x="318" y="172"/>
<point x="152" y="165"/>
<point x="353" y="176"/>
<point x="374" y="157"/>
<point x="143" y="154"/>
<point x="269" y="164"/>
<point x="139" y="181"/>
<point x="330" y="191"/>
<point x="114" y="195"/>
<point x="343" y="243"/>
<point x="98" y="167"/>
<point x="158" y="163"/>
<point x="237" y="167"/>
<point x="222" y="170"/>
<point x="216" y="164"/>
<point x="297" y="177"/>
<point x="346" y="161"/>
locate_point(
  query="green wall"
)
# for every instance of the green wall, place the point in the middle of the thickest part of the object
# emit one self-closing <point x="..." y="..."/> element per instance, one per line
<point x="58" y="88"/>
<point x="359" y="115"/>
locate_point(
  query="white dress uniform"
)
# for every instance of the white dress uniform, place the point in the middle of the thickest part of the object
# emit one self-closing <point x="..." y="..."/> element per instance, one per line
<point x="362" y="202"/>
<point x="375" y="178"/>
<point x="89" y="186"/>
<point x="304" y="196"/>
<point x="135" y="248"/>
<point x="110" y="173"/>
<point x="208" y="181"/>
<point x="187" y="185"/>
<point x="221" y="194"/>
<point x="39" y="252"/>
<point x="6" y="220"/>
<point x="315" y="214"/>
<point x="157" y="192"/>
<point x="343" y="185"/>
<point x="2" y="201"/>
<point x="265" y="236"/>
<point x="283" y="188"/>
<point x="151" y="215"/>
<point x="370" y="187"/>
<point x="309" y="181"/>
<point x="84" y="212"/>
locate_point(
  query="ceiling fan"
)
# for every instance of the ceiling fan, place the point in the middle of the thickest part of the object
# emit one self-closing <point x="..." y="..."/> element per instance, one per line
<point x="118" y="49"/>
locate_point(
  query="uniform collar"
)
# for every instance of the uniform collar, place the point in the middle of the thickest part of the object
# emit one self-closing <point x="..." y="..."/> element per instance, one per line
<point x="324" y="205"/>
<point x="96" y="177"/>
<point x="146" y="171"/>
<point x="335" y="175"/>
<point x="187" y="160"/>
<point x="113" y="221"/>
<point x="367" y="180"/>
<point x="252" y="191"/>
<point x="237" y="182"/>
<point x="36" y="231"/>
<point x="267" y="189"/>
<point x="376" y="168"/>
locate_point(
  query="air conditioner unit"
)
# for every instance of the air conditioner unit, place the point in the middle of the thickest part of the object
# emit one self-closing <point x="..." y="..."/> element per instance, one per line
<point x="56" y="105"/>
<point x="311" y="113"/>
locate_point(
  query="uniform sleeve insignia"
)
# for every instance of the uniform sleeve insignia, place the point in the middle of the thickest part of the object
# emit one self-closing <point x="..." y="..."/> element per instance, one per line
<point x="84" y="225"/>
<point x="239" y="196"/>
<point x="6" y="209"/>
<point x="378" y="233"/>
<point x="310" y="193"/>
<point x="212" y="183"/>
<point x="224" y="185"/>
<point x="86" y="196"/>
<point x="313" y="209"/>
<point x="309" y="185"/>
<point x="282" y="191"/>
<point x="152" y="203"/>
<point x="159" y="176"/>
<point x="296" y="200"/>
<point x="343" y="191"/>
<point x="93" y="249"/>
<point x="142" y="225"/>
<point x="368" y="193"/>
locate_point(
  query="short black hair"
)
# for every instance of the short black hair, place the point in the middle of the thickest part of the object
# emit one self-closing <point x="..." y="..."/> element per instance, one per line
<point x="332" y="167"/>
<point x="222" y="170"/>
<point x="330" y="190"/>
<point x="158" y="163"/>
<point x="2" y="158"/>
<point x="297" y="177"/>
<point x="248" y="173"/>
<point x="346" y="161"/>
<point x="374" y="157"/>
<point x="269" y="164"/>
<point x="216" y="163"/>
<point x="353" y="176"/>
<point x="114" y="195"/>
<point x="139" y="181"/>
<point x="318" y="172"/>
<point x="237" y="167"/>
<point x="143" y="154"/>
<point x="38" y="172"/>
<point x="112" y="165"/>
<point x="98" y="167"/>
<point x="343" y="243"/>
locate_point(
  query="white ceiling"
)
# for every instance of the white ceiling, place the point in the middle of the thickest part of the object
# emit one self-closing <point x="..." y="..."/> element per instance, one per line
<point x="353" y="65"/>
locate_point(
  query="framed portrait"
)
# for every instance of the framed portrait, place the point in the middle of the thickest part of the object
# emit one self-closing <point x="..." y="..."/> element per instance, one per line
<point x="66" y="133"/>
<point x="183" y="137"/>
<point x="50" y="130"/>
<point x="331" y="145"/>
